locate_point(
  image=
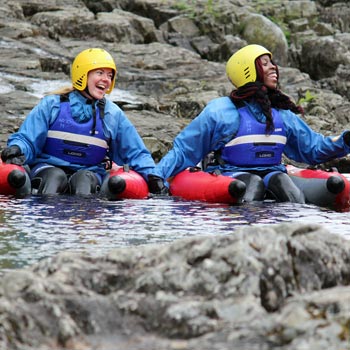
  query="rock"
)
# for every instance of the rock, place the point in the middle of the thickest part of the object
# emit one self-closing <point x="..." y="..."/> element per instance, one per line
<point x="286" y="285"/>
<point x="313" y="62"/>
<point x="258" y="28"/>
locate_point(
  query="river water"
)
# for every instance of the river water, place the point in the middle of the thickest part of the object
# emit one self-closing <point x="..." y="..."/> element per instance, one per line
<point x="41" y="226"/>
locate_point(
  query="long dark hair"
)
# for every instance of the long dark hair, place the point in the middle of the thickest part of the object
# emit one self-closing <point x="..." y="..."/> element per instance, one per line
<point x="266" y="97"/>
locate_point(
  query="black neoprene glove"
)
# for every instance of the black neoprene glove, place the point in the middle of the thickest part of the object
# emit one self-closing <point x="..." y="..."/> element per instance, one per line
<point x="156" y="185"/>
<point x="13" y="155"/>
<point x="346" y="138"/>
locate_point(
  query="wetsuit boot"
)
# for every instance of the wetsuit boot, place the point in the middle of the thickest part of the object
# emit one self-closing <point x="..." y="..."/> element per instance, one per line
<point x="84" y="182"/>
<point x="282" y="188"/>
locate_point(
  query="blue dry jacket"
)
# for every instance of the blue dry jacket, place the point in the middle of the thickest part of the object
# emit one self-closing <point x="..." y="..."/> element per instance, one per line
<point x="125" y="144"/>
<point x="218" y="124"/>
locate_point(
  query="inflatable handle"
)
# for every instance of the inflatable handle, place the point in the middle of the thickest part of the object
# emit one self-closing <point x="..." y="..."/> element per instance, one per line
<point x="335" y="184"/>
<point x="16" y="178"/>
<point x="237" y="188"/>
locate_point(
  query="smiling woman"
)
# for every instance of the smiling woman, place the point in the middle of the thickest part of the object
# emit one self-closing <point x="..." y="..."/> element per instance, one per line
<point x="68" y="141"/>
<point x="244" y="136"/>
<point x="99" y="82"/>
<point x="269" y="71"/>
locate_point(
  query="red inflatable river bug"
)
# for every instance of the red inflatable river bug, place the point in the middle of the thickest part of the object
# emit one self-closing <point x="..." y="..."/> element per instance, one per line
<point x="193" y="184"/>
<point x="12" y="178"/>
<point x="329" y="189"/>
<point x="322" y="188"/>
<point x="129" y="184"/>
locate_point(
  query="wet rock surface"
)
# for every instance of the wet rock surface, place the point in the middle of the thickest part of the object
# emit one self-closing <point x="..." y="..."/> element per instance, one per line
<point x="283" y="286"/>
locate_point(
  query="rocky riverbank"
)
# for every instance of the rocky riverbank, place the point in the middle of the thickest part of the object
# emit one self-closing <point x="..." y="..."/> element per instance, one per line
<point x="283" y="287"/>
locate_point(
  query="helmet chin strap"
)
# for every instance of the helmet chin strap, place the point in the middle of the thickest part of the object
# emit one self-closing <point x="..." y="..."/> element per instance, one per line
<point x="91" y="100"/>
<point x="87" y="94"/>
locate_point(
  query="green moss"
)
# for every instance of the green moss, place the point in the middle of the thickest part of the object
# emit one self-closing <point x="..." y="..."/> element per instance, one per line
<point x="182" y="6"/>
<point x="192" y="8"/>
<point x="307" y="98"/>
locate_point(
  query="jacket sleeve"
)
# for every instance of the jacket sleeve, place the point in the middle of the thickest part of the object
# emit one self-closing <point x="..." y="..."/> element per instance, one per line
<point x="209" y="131"/>
<point x="126" y="145"/>
<point x="307" y="146"/>
<point x="31" y="135"/>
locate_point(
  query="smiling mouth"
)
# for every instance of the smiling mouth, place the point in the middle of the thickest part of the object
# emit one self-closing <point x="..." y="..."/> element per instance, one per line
<point x="101" y="87"/>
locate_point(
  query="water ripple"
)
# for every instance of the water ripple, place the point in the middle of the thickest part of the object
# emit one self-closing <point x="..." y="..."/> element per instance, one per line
<point x="38" y="227"/>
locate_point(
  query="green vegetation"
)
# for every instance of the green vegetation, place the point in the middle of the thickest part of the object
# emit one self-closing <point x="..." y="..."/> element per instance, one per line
<point x="182" y="5"/>
<point x="191" y="7"/>
<point x="282" y="25"/>
<point x="307" y="98"/>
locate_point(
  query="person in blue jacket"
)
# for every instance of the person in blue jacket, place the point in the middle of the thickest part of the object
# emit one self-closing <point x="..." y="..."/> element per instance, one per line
<point x="70" y="137"/>
<point x="247" y="132"/>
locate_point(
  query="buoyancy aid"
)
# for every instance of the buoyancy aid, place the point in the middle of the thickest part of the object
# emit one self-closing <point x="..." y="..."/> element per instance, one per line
<point x="251" y="146"/>
<point x="78" y="143"/>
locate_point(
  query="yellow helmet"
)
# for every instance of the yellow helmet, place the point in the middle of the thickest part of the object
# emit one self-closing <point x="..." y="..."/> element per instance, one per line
<point x="88" y="60"/>
<point x="240" y="68"/>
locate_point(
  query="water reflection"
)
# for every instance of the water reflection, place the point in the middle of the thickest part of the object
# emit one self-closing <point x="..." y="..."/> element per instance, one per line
<point x="38" y="227"/>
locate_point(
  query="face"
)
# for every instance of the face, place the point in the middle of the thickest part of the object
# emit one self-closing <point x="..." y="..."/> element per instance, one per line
<point x="270" y="72"/>
<point x="99" y="81"/>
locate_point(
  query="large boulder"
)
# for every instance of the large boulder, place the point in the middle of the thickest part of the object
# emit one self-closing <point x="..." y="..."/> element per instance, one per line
<point x="259" y="29"/>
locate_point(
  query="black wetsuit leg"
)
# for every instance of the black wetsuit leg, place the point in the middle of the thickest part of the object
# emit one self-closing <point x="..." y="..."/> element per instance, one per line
<point x="255" y="190"/>
<point x="84" y="182"/>
<point x="282" y="188"/>
<point x="51" y="180"/>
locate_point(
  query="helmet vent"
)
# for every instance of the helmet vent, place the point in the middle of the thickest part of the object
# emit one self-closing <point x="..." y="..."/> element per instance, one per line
<point x="79" y="81"/>
<point x="247" y="73"/>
